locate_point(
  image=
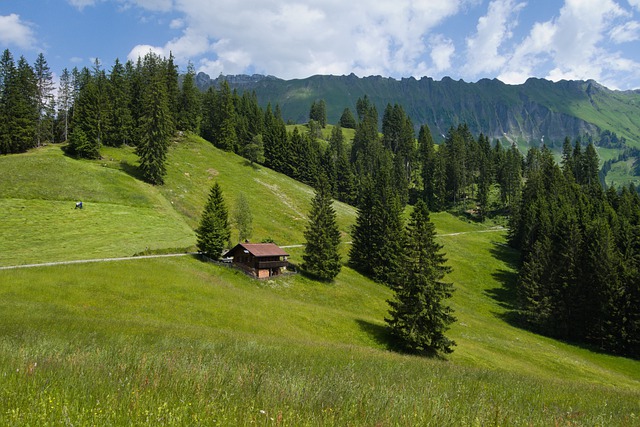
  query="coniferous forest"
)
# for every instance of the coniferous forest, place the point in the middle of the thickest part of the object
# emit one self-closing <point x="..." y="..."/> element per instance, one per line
<point x="579" y="277"/>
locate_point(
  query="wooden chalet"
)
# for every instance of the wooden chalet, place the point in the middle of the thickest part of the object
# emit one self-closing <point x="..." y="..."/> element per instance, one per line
<point x="261" y="260"/>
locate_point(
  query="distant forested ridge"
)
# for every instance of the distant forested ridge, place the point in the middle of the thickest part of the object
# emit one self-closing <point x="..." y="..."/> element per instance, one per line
<point x="534" y="112"/>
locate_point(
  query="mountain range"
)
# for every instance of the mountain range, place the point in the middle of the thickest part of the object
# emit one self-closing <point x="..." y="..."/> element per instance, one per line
<point x="530" y="113"/>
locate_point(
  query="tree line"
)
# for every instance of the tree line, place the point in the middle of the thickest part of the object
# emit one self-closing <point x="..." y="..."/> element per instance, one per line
<point x="580" y="248"/>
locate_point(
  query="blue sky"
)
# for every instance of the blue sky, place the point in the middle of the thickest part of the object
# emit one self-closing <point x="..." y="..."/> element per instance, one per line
<point x="465" y="39"/>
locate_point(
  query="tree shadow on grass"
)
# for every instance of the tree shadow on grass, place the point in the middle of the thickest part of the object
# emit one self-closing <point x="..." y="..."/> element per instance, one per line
<point x="506" y="295"/>
<point x="379" y="333"/>
<point x="131" y="170"/>
<point x="246" y="163"/>
<point x="382" y="337"/>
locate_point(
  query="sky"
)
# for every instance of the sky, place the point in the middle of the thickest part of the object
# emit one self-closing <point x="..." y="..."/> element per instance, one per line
<point x="510" y="40"/>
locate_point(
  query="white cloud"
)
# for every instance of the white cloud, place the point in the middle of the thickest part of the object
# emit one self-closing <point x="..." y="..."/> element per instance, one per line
<point x="16" y="32"/>
<point x="569" y="46"/>
<point x="176" y="24"/>
<point x="153" y="5"/>
<point x="141" y="50"/>
<point x="492" y="31"/>
<point x="81" y="4"/>
<point x="627" y="32"/>
<point x="442" y="49"/>
<point x="212" y="68"/>
<point x="298" y="38"/>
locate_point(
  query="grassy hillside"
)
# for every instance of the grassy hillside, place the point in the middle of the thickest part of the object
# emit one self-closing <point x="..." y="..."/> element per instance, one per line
<point x="181" y="342"/>
<point x="121" y="215"/>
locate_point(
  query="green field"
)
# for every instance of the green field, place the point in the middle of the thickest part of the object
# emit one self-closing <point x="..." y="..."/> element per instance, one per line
<point x="176" y="341"/>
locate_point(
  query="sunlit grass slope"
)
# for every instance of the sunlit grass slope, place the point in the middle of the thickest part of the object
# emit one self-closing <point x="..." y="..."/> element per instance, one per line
<point x="181" y="342"/>
<point x="121" y="215"/>
<point x="279" y="205"/>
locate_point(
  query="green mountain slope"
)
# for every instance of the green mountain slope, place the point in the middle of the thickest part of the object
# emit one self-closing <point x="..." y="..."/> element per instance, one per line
<point x="530" y="112"/>
<point x="181" y="342"/>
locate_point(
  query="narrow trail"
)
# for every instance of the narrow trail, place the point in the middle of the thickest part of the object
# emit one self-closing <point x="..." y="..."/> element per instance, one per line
<point x="131" y="258"/>
<point x="490" y="230"/>
<point x="86" y="261"/>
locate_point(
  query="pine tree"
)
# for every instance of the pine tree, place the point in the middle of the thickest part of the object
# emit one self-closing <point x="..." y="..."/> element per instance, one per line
<point x="568" y="167"/>
<point x="65" y="101"/>
<point x="45" y="100"/>
<point x="22" y="108"/>
<point x="225" y="126"/>
<point x="365" y="235"/>
<point x="155" y="123"/>
<point x="427" y="159"/>
<point x="119" y="126"/>
<point x="419" y="316"/>
<point x="321" y="256"/>
<point x="318" y="113"/>
<point x="591" y="167"/>
<point x="484" y="176"/>
<point x="172" y="90"/>
<point x="344" y="180"/>
<point x="80" y="146"/>
<point x="7" y="89"/>
<point x="242" y="218"/>
<point x="378" y="232"/>
<point x="189" y="115"/>
<point x="347" y="120"/>
<point x="213" y="233"/>
<point x="209" y="106"/>
<point x="87" y="110"/>
<point x="455" y="156"/>
<point x="254" y="150"/>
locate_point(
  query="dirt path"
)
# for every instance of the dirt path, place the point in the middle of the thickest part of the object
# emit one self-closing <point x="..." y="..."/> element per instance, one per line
<point x="86" y="261"/>
<point x="490" y="230"/>
<point x="130" y="258"/>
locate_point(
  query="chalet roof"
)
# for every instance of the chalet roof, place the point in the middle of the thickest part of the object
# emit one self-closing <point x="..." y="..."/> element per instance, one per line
<point x="259" y="249"/>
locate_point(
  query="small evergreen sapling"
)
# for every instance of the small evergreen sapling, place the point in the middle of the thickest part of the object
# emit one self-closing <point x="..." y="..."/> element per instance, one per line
<point x="242" y="218"/>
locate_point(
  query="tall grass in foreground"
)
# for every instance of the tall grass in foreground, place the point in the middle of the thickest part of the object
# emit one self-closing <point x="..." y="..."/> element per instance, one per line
<point x="180" y="342"/>
<point x="234" y="382"/>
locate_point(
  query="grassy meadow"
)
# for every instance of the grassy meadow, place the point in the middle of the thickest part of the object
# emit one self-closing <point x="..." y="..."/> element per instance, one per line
<point x="176" y="341"/>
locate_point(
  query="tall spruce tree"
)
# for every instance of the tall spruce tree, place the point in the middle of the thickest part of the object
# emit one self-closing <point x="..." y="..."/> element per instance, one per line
<point x="7" y="89"/>
<point x="426" y="151"/>
<point x="225" y="113"/>
<point x="155" y="124"/>
<point x="318" y="113"/>
<point x="213" y="232"/>
<point x="119" y="124"/>
<point x="189" y="115"/>
<point x="321" y="257"/>
<point x="65" y="101"/>
<point x="20" y="107"/>
<point x="45" y="100"/>
<point x="377" y="234"/>
<point x="87" y="114"/>
<point x="419" y="315"/>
